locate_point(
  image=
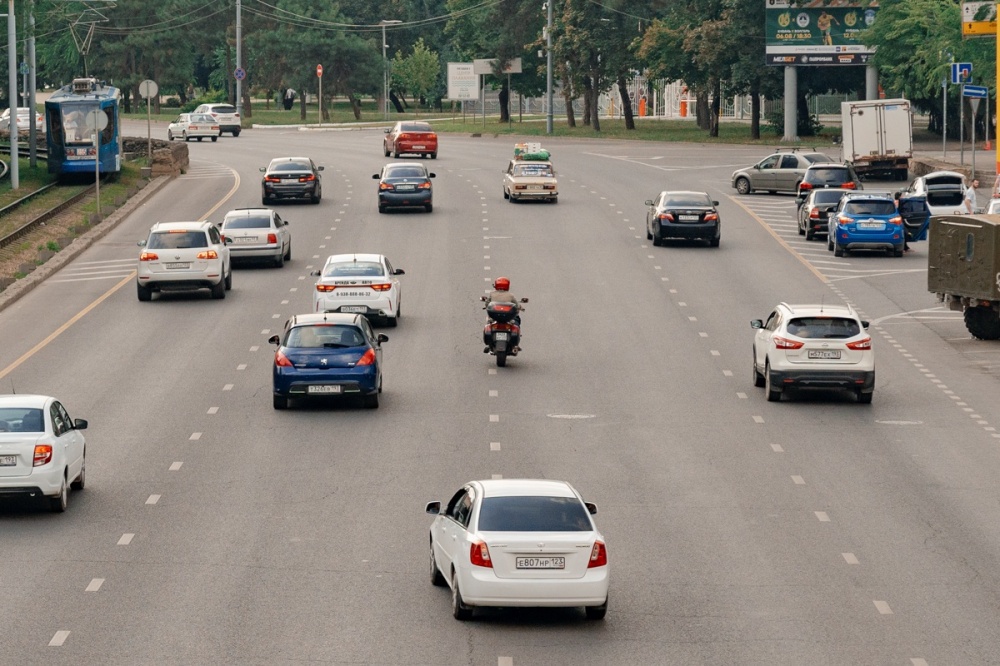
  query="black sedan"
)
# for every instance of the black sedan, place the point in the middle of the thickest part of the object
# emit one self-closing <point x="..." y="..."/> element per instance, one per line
<point x="291" y="178"/>
<point x="405" y="185"/>
<point x="688" y="215"/>
<point x="815" y="210"/>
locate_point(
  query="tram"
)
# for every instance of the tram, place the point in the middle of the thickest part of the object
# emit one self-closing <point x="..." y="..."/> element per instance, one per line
<point x="71" y="145"/>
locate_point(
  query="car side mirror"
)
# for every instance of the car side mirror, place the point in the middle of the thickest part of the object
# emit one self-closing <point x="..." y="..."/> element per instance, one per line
<point x="263" y="169"/>
<point x="382" y="337"/>
<point x="141" y="243"/>
<point x="524" y="300"/>
<point x="432" y="174"/>
<point x="375" y="176"/>
<point x="591" y="507"/>
<point x="314" y="273"/>
<point x="386" y="131"/>
<point x="433" y="508"/>
<point x="649" y="202"/>
<point x="757" y="167"/>
<point x="715" y="203"/>
<point x="320" y="168"/>
<point x="482" y="298"/>
<point x="227" y="240"/>
<point x="399" y="271"/>
<point x="79" y="424"/>
<point x="274" y="340"/>
<point x="864" y="324"/>
<point x="756" y="323"/>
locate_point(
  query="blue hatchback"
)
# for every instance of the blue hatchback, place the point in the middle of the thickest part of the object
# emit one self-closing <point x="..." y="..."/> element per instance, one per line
<point x="866" y="221"/>
<point x="326" y="355"/>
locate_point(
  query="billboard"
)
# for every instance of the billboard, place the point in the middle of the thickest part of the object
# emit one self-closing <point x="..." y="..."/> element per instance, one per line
<point x="979" y="19"/>
<point x="817" y="32"/>
<point x="462" y="81"/>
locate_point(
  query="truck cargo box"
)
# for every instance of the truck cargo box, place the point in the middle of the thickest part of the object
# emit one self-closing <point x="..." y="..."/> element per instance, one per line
<point x="878" y="136"/>
<point x="963" y="256"/>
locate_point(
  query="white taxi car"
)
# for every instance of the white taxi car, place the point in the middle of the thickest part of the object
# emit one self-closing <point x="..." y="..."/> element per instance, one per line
<point x="180" y="256"/>
<point x="193" y="126"/>
<point x="813" y="347"/>
<point x="42" y="451"/>
<point x="359" y="283"/>
<point x="517" y="543"/>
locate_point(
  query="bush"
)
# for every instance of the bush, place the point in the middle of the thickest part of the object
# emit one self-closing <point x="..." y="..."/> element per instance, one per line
<point x="172" y="102"/>
<point x="208" y="97"/>
<point x="775" y="119"/>
<point x="52" y="246"/>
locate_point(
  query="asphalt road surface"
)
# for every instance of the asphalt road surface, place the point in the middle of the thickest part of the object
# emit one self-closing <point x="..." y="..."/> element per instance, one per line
<point x="216" y="530"/>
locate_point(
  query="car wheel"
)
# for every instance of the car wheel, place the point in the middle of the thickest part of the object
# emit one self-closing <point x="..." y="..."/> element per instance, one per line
<point x="505" y="195"/>
<point x="982" y="323"/>
<point x="865" y="398"/>
<point x="743" y="185"/>
<point x="144" y="293"/>
<point x="801" y="228"/>
<point x="715" y="241"/>
<point x="758" y="379"/>
<point x="511" y="198"/>
<point x="829" y="242"/>
<point x="236" y="133"/>
<point x="170" y="135"/>
<point x="458" y="608"/>
<point x="266" y="200"/>
<point x="214" y="139"/>
<point x="371" y="401"/>
<point x="437" y="580"/>
<point x="279" y="261"/>
<point x="315" y="198"/>
<point x="773" y="395"/>
<point x="199" y="139"/>
<point x="219" y="290"/>
<point x="657" y="241"/>
<point x="81" y="480"/>
<point x="392" y="322"/>
<point x="554" y="200"/>
<point x="897" y="253"/>
<point x="810" y="235"/>
<point x="279" y="401"/>
<point x="395" y="154"/>
<point x="429" y="208"/>
<point x="229" y="279"/>
<point x="501" y="359"/>
<point x="838" y="249"/>
<point x="381" y="209"/>
<point x="385" y="150"/>
<point x="597" y="612"/>
<point x="434" y="156"/>
<point x="184" y="136"/>
<point x="59" y="503"/>
<point x="288" y="253"/>
<point x="649" y="236"/>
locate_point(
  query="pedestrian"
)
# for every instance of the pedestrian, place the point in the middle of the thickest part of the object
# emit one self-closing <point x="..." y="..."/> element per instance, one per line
<point x="289" y="98"/>
<point x="970" y="197"/>
<point x="906" y="244"/>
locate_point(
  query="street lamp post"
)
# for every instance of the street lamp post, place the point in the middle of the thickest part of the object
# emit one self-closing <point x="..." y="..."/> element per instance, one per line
<point x="548" y="67"/>
<point x="385" y="68"/>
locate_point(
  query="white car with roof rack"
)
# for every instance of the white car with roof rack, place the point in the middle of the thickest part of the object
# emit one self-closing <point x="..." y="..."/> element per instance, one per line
<point x="359" y="283"/>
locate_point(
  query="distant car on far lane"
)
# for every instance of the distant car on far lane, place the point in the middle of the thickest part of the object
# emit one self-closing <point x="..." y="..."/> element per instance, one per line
<point x="193" y="126"/>
<point x="257" y="233"/>
<point x="410" y="137"/>
<point x="291" y="178"/>
<point x="779" y="172"/>
<point x="23" y="120"/>
<point x="683" y="214"/>
<point x="813" y="213"/>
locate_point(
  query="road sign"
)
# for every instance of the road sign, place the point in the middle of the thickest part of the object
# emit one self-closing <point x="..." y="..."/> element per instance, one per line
<point x="240" y="74"/>
<point x="23" y="68"/>
<point x="961" y="72"/>
<point x="975" y="92"/>
<point x="979" y="18"/>
<point x="319" y="71"/>
<point x="96" y="118"/>
<point x="148" y="89"/>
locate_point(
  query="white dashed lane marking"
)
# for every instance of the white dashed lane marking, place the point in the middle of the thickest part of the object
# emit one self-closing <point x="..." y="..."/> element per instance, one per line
<point x="175" y="466"/>
<point x="59" y="638"/>
<point x="494" y="446"/>
<point x="822" y="517"/>
<point x="777" y="448"/>
<point x="195" y="436"/>
<point x="126" y="539"/>
<point x="95" y="585"/>
<point x="883" y="607"/>
<point x="153" y="499"/>
<point x="850" y="558"/>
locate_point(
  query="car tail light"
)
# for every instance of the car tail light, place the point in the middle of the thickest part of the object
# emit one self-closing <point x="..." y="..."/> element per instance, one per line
<point x="149" y="256"/>
<point x="814" y="213"/>
<point x="281" y="360"/>
<point x="479" y="555"/>
<point x="43" y="455"/>
<point x="520" y="187"/>
<point x="192" y="127"/>
<point x="805" y="186"/>
<point x="208" y="254"/>
<point x="236" y="115"/>
<point x="860" y="345"/>
<point x="325" y="288"/>
<point x="215" y="127"/>
<point x="215" y="115"/>
<point x="424" y="186"/>
<point x="272" y="238"/>
<point x="271" y="179"/>
<point x="785" y="343"/>
<point x="381" y="287"/>
<point x="665" y="217"/>
<point x="896" y="220"/>
<point x="367" y="358"/>
<point x="307" y="179"/>
<point x="848" y="186"/>
<point x="843" y="219"/>
<point x="598" y="556"/>
<point x="711" y="217"/>
<point x="549" y="187"/>
<point x="385" y="186"/>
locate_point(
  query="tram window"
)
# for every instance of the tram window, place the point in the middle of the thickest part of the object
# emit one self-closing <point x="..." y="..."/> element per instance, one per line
<point x="108" y="135"/>
<point x="55" y="128"/>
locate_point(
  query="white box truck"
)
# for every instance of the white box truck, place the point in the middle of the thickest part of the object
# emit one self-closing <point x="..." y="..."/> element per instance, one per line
<point x="878" y="137"/>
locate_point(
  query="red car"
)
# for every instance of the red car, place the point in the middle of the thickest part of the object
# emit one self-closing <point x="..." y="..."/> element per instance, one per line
<point x="410" y="137"/>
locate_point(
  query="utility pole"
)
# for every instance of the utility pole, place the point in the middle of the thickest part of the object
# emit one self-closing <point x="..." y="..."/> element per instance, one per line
<point x="239" y="57"/>
<point x="15" y="180"/>
<point x="548" y="67"/>
<point x="33" y="131"/>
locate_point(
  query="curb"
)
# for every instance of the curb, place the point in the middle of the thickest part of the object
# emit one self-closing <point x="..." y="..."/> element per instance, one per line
<point x="14" y="292"/>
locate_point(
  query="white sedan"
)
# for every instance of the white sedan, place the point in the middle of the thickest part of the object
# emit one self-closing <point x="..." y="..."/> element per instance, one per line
<point x="42" y="451"/>
<point x="516" y="543"/>
<point x="193" y="126"/>
<point x="359" y="283"/>
<point x="23" y="120"/>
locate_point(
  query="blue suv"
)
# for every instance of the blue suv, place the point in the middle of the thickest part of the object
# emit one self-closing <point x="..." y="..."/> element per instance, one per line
<point x="866" y="221"/>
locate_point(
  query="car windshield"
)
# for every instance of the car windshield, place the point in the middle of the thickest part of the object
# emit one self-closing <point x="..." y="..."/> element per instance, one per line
<point x="829" y="175"/>
<point x="869" y="207"/>
<point x="534" y="170"/>
<point x="944" y="198"/>
<point x="405" y="172"/>
<point x="325" y="336"/>
<point x="827" y="196"/>
<point x="290" y="166"/>
<point x="416" y="127"/>
<point x="202" y="118"/>
<point x="677" y="200"/>
<point x="248" y="222"/>
<point x="176" y="240"/>
<point x="533" y="514"/>
<point x="353" y="268"/>
<point x="21" y="419"/>
<point x="824" y="327"/>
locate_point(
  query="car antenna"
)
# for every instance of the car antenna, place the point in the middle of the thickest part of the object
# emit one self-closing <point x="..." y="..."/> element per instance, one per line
<point x="12" y="389"/>
<point x="822" y="302"/>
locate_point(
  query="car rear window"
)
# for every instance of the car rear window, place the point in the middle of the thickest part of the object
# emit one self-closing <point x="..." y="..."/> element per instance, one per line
<point x="945" y="198"/>
<point x="202" y="118"/>
<point x="353" y="268"/>
<point x="533" y="514"/>
<point x="416" y="127"/>
<point x="290" y="166"/>
<point x="534" y="170"/>
<point x="679" y="200"/>
<point x="827" y="196"/>
<point x="823" y="327"/>
<point x="223" y="109"/>
<point x="249" y="222"/>
<point x="405" y="172"/>
<point x="828" y="176"/>
<point x="176" y="240"/>
<point x="21" y="419"/>
<point x="869" y="207"/>
<point x="325" y="336"/>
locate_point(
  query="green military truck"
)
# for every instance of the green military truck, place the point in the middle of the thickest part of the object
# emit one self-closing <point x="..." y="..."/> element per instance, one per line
<point x="963" y="269"/>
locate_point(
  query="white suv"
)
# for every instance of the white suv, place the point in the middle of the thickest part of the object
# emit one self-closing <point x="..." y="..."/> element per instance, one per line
<point x="181" y="256"/>
<point x="225" y="115"/>
<point x="813" y="347"/>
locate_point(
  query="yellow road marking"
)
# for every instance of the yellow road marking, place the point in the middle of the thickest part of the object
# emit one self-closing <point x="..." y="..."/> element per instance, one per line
<point x="103" y="297"/>
<point x="781" y="240"/>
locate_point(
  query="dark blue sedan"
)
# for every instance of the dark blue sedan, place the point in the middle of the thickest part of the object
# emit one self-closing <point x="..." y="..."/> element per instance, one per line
<point x="405" y="185"/>
<point x="327" y="355"/>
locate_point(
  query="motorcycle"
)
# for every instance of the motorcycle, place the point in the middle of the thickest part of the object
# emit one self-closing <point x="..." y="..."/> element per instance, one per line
<point x="502" y="332"/>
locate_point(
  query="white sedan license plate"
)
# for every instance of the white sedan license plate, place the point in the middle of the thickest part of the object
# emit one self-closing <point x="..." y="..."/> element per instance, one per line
<point x="871" y="225"/>
<point x="177" y="264"/>
<point x="824" y="353"/>
<point x="541" y="563"/>
<point x="500" y="336"/>
<point x="688" y="218"/>
<point x="245" y="239"/>
<point x="8" y="461"/>
<point x="323" y="389"/>
<point x="354" y="308"/>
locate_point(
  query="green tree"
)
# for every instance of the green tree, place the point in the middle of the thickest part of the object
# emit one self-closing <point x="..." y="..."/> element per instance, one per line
<point x="417" y="73"/>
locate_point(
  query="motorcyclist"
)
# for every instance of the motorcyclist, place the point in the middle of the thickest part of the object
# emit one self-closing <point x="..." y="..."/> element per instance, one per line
<point x="501" y="294"/>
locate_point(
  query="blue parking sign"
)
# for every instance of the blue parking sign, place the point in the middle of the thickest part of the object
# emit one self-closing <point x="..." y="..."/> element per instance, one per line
<point x="961" y="72"/>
